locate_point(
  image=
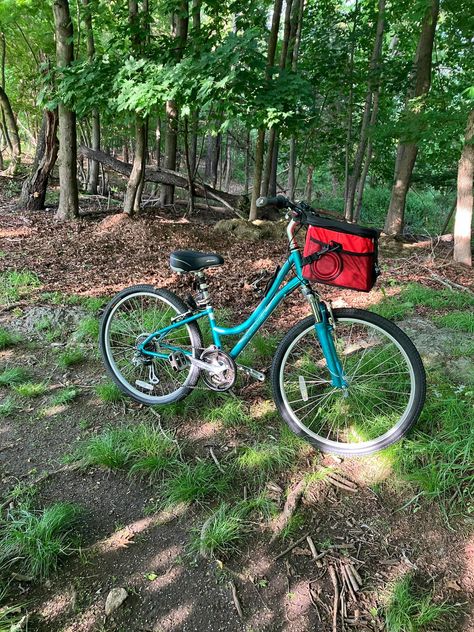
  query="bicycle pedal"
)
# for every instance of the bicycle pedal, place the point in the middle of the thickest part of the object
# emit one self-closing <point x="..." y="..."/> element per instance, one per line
<point x="177" y="360"/>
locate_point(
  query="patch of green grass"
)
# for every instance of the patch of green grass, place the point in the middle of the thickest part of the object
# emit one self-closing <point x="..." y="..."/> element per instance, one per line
<point x="197" y="482"/>
<point x="33" y="541"/>
<point x="8" y="339"/>
<point x="459" y="321"/>
<point x="17" y="283"/>
<point x="30" y="389"/>
<point x="143" y="449"/>
<point x="233" y="412"/>
<point x="409" y="609"/>
<point x="88" y="329"/>
<point x="8" y="407"/>
<point x="14" y="375"/>
<point x="439" y="454"/>
<point x="109" y="393"/>
<point x="44" y="324"/>
<point x="404" y="303"/>
<point x="91" y="303"/>
<point x="65" y="396"/>
<point x="193" y="405"/>
<point x="261" y="349"/>
<point x="227" y="526"/>
<point x="261" y="459"/>
<point x="71" y="357"/>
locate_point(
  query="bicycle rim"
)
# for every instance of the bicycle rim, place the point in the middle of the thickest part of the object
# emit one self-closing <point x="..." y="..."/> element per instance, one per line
<point x="130" y="322"/>
<point x="378" y="401"/>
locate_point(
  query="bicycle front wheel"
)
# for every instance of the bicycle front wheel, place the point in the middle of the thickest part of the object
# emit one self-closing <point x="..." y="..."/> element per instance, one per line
<point x="128" y="320"/>
<point x="385" y="392"/>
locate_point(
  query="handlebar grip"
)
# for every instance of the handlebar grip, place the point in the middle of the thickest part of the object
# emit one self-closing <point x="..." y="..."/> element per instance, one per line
<point x="280" y="201"/>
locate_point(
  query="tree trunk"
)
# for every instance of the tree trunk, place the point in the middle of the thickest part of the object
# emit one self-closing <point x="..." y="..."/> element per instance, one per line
<point x="180" y="22"/>
<point x="368" y="160"/>
<point x="260" y="146"/>
<point x="354" y="173"/>
<point x="193" y="148"/>
<point x="12" y="126"/>
<point x="132" y="196"/>
<point x="228" y="163"/>
<point x="93" y="174"/>
<point x="247" y="164"/>
<point x="293" y="146"/>
<point x="407" y="148"/>
<point x="308" y="191"/>
<point x="33" y="193"/>
<point x="68" y="195"/>
<point x="291" y="169"/>
<point x="464" y="205"/>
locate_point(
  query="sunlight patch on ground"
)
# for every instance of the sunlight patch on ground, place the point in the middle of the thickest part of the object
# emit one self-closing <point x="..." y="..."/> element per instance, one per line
<point x="204" y="431"/>
<point x="122" y="538"/>
<point x="165" y="579"/>
<point x="174" y="619"/>
<point x="372" y="469"/>
<point x="52" y="411"/>
<point x="57" y="605"/>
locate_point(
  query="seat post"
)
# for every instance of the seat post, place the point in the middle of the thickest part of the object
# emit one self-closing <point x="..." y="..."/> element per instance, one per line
<point x="203" y="287"/>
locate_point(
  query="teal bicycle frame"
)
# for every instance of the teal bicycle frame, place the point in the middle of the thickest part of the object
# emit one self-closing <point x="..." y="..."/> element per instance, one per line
<point x="249" y="327"/>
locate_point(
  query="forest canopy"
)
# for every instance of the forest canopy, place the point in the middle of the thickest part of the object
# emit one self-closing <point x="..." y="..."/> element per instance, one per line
<point x="363" y="107"/>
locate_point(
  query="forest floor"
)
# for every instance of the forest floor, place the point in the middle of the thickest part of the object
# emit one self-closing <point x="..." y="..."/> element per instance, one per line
<point x="404" y="519"/>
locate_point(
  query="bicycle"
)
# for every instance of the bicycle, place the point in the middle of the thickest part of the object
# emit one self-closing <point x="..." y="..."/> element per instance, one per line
<point x="347" y="380"/>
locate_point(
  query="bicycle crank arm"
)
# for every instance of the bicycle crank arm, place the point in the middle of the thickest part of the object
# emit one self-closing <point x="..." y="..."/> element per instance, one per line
<point x="257" y="375"/>
<point x="206" y="366"/>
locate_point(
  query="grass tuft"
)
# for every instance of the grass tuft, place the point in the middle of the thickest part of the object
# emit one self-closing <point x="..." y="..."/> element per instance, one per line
<point x="459" y="321"/>
<point x="65" y="396"/>
<point x="226" y="527"/>
<point x="8" y="339"/>
<point x="143" y="449"/>
<point x="8" y="406"/>
<point x="411" y="610"/>
<point x="71" y="357"/>
<point x="190" y="483"/>
<point x="34" y="541"/>
<point x="109" y="393"/>
<point x="14" y="375"/>
<point x="16" y="283"/>
<point x="268" y="457"/>
<point x="31" y="389"/>
<point x="233" y="412"/>
<point x="88" y="329"/>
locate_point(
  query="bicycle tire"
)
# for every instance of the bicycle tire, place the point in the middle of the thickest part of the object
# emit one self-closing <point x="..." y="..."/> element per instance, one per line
<point x="179" y="307"/>
<point x="400" y="341"/>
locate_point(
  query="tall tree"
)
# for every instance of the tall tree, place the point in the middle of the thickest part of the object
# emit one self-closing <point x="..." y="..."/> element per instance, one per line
<point x="68" y="194"/>
<point x="408" y="148"/>
<point x="260" y="146"/>
<point x="12" y="128"/>
<point x="179" y="27"/>
<point x="132" y="199"/>
<point x="93" y="175"/>
<point x="368" y="117"/>
<point x="464" y="205"/>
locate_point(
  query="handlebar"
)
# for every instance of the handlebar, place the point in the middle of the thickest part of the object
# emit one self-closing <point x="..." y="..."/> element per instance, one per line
<point x="299" y="211"/>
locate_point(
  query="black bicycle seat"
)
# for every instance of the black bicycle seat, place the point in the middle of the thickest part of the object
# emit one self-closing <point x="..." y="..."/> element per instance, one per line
<point x="192" y="261"/>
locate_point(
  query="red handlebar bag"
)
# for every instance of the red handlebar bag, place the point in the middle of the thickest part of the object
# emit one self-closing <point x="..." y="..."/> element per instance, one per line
<point x="341" y="254"/>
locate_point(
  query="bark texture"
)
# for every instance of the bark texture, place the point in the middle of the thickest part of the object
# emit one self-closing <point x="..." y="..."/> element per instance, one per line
<point x="13" y="129"/>
<point x="34" y="188"/>
<point x="93" y="175"/>
<point x="68" y="195"/>
<point x="464" y="204"/>
<point x="407" y="148"/>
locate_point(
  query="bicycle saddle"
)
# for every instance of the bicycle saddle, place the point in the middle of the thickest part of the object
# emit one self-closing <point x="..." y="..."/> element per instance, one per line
<point x="192" y="261"/>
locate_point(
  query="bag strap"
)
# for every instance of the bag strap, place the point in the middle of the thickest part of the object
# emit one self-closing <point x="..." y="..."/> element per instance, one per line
<point x="332" y="246"/>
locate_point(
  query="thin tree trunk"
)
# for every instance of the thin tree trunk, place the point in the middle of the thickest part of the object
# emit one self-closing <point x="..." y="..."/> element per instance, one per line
<point x="158" y="143"/>
<point x="351" y="103"/>
<point x="138" y="168"/>
<point x="464" y="206"/>
<point x="215" y="157"/>
<point x="193" y="149"/>
<point x="68" y="195"/>
<point x="228" y="163"/>
<point x="33" y="193"/>
<point x="308" y="191"/>
<point x="407" y="148"/>
<point x="14" y="135"/>
<point x="93" y="175"/>
<point x="260" y="146"/>
<point x="189" y="170"/>
<point x="293" y="145"/>
<point x="247" y="164"/>
<point x="180" y="33"/>
<point x="368" y="160"/>
<point x="373" y="81"/>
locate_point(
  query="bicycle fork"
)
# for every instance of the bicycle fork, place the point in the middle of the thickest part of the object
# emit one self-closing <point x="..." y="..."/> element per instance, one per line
<point x="324" y="332"/>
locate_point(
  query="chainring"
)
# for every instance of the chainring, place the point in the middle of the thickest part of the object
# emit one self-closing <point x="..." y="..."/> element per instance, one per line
<point x="223" y="380"/>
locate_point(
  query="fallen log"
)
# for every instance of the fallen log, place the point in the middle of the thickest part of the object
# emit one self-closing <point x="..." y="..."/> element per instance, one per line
<point x="161" y="176"/>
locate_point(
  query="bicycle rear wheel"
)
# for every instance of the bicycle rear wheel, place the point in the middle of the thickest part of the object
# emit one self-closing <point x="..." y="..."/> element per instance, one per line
<point x="385" y="376"/>
<point x="129" y="318"/>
